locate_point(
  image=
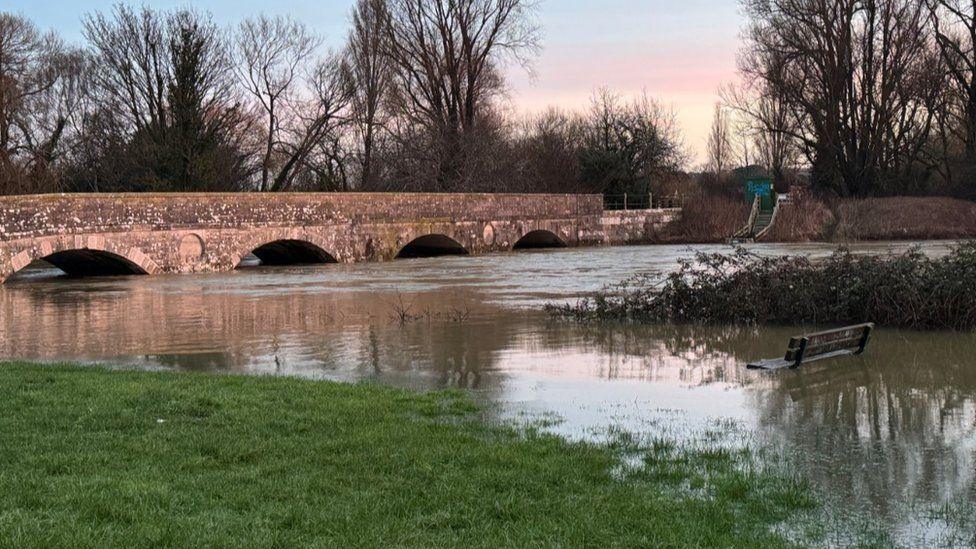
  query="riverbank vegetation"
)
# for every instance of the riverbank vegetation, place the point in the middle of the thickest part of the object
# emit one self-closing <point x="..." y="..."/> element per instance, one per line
<point x="91" y="457"/>
<point x="909" y="290"/>
<point x="706" y="218"/>
<point x="809" y="219"/>
<point x="714" y="218"/>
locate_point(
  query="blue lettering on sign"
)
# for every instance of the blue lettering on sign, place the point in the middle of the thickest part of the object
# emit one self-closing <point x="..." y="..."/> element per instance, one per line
<point x="760" y="187"/>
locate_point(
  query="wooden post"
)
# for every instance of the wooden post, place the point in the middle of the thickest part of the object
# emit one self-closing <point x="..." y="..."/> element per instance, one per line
<point x="625" y="202"/>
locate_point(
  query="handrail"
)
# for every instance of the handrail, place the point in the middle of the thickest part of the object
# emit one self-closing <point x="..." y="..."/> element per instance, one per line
<point x="772" y="221"/>
<point x="753" y="217"/>
<point x="638" y="202"/>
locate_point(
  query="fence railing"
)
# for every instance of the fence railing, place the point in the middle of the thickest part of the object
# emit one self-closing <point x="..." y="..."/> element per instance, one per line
<point x="625" y="202"/>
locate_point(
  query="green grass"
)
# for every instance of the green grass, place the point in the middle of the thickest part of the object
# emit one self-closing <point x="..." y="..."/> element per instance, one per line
<point x="92" y="457"/>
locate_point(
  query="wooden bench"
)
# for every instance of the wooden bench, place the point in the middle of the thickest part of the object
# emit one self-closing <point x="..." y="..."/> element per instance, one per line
<point x="849" y="341"/>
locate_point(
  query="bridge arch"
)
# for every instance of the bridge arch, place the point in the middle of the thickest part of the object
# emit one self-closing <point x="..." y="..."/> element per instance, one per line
<point x="432" y="245"/>
<point x="85" y="259"/>
<point x="539" y="239"/>
<point x="288" y="251"/>
<point x="87" y="262"/>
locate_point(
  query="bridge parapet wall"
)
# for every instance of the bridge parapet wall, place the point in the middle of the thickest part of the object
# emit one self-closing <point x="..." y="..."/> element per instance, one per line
<point x="44" y="215"/>
<point x="184" y="233"/>
<point x="635" y="226"/>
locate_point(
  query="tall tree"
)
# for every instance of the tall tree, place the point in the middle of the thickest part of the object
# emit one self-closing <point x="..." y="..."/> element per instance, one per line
<point x="446" y="56"/>
<point x="769" y="127"/>
<point x="371" y="73"/>
<point x="862" y="80"/>
<point x="720" y="143"/>
<point x="166" y="102"/>
<point x="206" y="127"/>
<point x="954" y="24"/>
<point x="41" y="84"/>
<point x="301" y="100"/>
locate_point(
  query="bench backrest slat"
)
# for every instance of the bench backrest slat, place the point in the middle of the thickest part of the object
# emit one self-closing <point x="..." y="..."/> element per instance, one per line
<point x="853" y="338"/>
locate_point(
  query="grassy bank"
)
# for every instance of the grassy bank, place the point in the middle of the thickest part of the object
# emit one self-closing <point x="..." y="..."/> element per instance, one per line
<point x="91" y="457"/>
<point x="714" y="219"/>
<point x="909" y="290"/>
<point x="895" y="218"/>
<point x="904" y="218"/>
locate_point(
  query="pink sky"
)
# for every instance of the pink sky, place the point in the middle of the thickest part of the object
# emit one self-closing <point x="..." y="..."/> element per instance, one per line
<point x="679" y="52"/>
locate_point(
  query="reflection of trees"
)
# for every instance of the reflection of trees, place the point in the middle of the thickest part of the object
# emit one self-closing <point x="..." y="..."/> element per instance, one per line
<point x="437" y="353"/>
<point x="204" y="324"/>
<point x="899" y="421"/>
<point x="691" y="355"/>
<point x="139" y="317"/>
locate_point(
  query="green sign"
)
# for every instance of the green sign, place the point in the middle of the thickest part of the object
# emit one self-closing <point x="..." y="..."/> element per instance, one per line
<point x="763" y="187"/>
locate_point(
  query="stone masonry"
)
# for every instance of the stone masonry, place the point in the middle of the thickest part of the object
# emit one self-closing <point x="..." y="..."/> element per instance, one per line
<point x="187" y="233"/>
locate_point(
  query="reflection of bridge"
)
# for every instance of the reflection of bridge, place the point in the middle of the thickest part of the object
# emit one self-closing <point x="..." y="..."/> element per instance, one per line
<point x="103" y="234"/>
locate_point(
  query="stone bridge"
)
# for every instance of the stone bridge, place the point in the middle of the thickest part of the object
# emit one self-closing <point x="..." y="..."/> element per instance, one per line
<point x="108" y="234"/>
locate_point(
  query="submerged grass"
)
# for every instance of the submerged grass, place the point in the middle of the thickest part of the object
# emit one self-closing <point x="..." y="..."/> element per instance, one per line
<point x="92" y="457"/>
<point x="910" y="290"/>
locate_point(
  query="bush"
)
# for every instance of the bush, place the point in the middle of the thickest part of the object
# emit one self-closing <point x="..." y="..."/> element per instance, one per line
<point x="909" y="290"/>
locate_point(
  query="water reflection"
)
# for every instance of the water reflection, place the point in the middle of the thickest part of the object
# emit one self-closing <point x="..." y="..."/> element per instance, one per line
<point x="883" y="433"/>
<point x="896" y="425"/>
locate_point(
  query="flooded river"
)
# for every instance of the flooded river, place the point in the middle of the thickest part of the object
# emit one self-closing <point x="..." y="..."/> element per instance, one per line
<point x="888" y="438"/>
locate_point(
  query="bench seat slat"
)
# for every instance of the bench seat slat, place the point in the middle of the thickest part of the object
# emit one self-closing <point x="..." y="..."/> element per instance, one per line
<point x="815" y="350"/>
<point x="782" y="364"/>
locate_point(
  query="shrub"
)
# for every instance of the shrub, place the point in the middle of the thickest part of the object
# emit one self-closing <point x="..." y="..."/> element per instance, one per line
<point x="909" y="290"/>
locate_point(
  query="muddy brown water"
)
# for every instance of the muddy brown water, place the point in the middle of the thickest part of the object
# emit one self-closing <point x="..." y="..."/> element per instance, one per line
<point x="888" y="438"/>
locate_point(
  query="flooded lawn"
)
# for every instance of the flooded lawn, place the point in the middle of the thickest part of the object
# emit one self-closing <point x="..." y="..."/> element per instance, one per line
<point x="889" y="438"/>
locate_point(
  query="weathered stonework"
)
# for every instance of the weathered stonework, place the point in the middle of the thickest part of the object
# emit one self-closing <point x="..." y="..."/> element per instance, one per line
<point x="186" y="233"/>
<point x="636" y="226"/>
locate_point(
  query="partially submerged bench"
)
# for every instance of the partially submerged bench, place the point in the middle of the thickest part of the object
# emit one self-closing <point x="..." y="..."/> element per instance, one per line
<point x="849" y="341"/>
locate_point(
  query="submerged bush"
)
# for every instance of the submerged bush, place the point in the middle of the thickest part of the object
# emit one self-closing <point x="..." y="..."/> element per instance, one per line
<point x="909" y="290"/>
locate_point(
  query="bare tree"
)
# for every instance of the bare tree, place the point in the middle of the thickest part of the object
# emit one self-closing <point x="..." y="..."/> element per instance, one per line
<point x="132" y="68"/>
<point x="629" y="146"/>
<point x="446" y="55"/>
<point x="53" y="113"/>
<point x="549" y="146"/>
<point x="164" y="103"/>
<point x="768" y="127"/>
<point x="954" y="26"/>
<point x="720" y="143"/>
<point x="860" y="78"/>
<point x="41" y="84"/>
<point x="272" y="54"/>
<point x="371" y="71"/>
<point x="298" y="97"/>
<point x="313" y="141"/>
